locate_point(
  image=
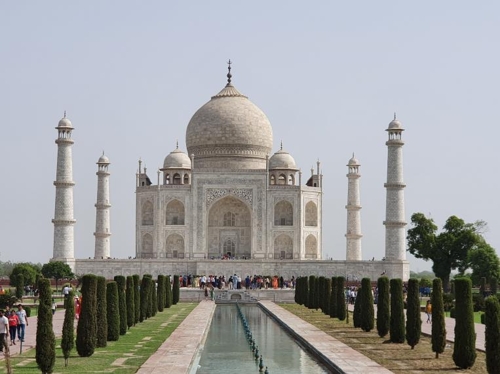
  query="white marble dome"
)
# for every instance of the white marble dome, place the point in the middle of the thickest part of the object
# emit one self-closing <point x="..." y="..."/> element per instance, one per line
<point x="282" y="160"/>
<point x="395" y="125"/>
<point x="65" y="122"/>
<point x="103" y="159"/>
<point x="177" y="160"/>
<point x="229" y="132"/>
<point x="353" y="161"/>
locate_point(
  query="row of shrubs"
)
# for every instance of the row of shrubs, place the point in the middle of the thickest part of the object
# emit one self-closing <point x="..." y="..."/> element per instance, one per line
<point x="315" y="293"/>
<point x="108" y="310"/>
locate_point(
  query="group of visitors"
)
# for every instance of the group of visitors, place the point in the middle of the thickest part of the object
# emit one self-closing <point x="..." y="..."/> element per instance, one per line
<point x="235" y="282"/>
<point x="11" y="323"/>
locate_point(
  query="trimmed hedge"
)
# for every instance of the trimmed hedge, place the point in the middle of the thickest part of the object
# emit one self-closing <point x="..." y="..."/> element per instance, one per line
<point x="438" y="318"/>
<point x="45" y="338"/>
<point x="102" y="314"/>
<point x="68" y="331"/>
<point x="383" y="307"/>
<point x="397" y="330"/>
<point x="464" y="349"/>
<point x="176" y="291"/>
<point x="168" y="290"/>
<point x="356" y="315"/>
<point x="87" y="323"/>
<point x="154" y="298"/>
<point x="130" y="300"/>
<point x="492" y="334"/>
<point x="312" y="290"/>
<point x="122" y="303"/>
<point x="341" y="308"/>
<point x="333" y="299"/>
<point x="113" y="311"/>
<point x="413" y="314"/>
<point x="161" y="293"/>
<point x="327" y="295"/>
<point x="367" y="310"/>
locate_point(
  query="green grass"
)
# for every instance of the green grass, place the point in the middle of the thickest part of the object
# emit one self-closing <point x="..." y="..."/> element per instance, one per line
<point x="133" y="349"/>
<point x="477" y="316"/>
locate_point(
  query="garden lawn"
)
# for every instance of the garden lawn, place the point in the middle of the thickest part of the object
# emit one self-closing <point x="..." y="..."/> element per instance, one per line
<point x="477" y="316"/>
<point x="398" y="358"/>
<point x="121" y="357"/>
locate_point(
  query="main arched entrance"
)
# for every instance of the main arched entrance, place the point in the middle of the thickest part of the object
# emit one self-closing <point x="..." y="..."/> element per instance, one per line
<point x="229" y="229"/>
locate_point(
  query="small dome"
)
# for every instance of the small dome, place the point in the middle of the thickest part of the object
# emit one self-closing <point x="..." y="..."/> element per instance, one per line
<point x="353" y="161"/>
<point x="282" y="160"/>
<point x="395" y="124"/>
<point x="103" y="159"/>
<point x="177" y="160"/>
<point x="65" y="122"/>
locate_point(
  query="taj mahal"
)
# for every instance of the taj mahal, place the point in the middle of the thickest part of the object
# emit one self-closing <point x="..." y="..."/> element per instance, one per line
<point x="229" y="205"/>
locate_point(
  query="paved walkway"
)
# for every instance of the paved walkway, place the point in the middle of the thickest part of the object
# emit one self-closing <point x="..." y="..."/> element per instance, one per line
<point x="450" y="329"/>
<point x="179" y="351"/>
<point x="339" y="355"/>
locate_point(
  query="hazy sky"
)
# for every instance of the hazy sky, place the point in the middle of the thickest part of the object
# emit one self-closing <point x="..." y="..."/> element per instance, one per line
<point x="329" y="76"/>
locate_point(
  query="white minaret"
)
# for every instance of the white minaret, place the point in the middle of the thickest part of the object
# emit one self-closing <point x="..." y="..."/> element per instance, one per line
<point x="64" y="243"/>
<point x="395" y="237"/>
<point x="353" y="235"/>
<point x="102" y="227"/>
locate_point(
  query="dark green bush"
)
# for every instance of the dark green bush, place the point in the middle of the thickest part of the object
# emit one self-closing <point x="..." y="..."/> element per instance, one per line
<point x="341" y="309"/>
<point x="317" y="294"/>
<point x="464" y="349"/>
<point x="452" y="312"/>
<point x="327" y="294"/>
<point x="383" y="307"/>
<point x="19" y="286"/>
<point x="168" y="289"/>
<point x="493" y="286"/>
<point x="68" y="331"/>
<point x="130" y="300"/>
<point x="113" y="311"/>
<point x="102" y="314"/>
<point x="356" y="315"/>
<point x="478" y="302"/>
<point x="137" y="298"/>
<point x="397" y="330"/>
<point x="367" y="310"/>
<point x="321" y="292"/>
<point x="334" y="309"/>
<point x="87" y="329"/>
<point x="176" y="291"/>
<point x="154" y="297"/>
<point x="144" y="298"/>
<point x="438" y="318"/>
<point x="45" y="338"/>
<point x="122" y="303"/>
<point x="492" y="334"/>
<point x="483" y="318"/>
<point x="28" y="311"/>
<point x="312" y="290"/>
<point x="413" y="316"/>
<point x="161" y="293"/>
<point x="448" y="301"/>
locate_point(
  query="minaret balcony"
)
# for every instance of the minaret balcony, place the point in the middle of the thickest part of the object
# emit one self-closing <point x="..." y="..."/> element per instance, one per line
<point x="63" y="221"/>
<point x="353" y="207"/>
<point x="64" y="183"/>
<point x="394" y="186"/>
<point x="395" y="143"/>
<point x="395" y="223"/>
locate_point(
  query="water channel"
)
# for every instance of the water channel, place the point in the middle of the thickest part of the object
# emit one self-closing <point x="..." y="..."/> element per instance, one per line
<point x="227" y="349"/>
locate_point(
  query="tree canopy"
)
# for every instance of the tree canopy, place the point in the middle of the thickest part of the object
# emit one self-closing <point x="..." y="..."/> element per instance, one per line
<point x="57" y="270"/>
<point x="459" y="245"/>
<point x="29" y="272"/>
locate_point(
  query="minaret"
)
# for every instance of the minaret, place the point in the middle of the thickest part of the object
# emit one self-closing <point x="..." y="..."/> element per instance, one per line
<point x="64" y="246"/>
<point x="353" y="235"/>
<point x="395" y="238"/>
<point x="102" y="227"/>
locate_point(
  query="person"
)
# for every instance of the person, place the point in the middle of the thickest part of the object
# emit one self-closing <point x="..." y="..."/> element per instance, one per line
<point x="428" y="311"/>
<point x="23" y="322"/>
<point x="206" y="292"/>
<point x="54" y="306"/>
<point x="77" y="307"/>
<point x="4" y="328"/>
<point x="66" y="290"/>
<point x="13" y="322"/>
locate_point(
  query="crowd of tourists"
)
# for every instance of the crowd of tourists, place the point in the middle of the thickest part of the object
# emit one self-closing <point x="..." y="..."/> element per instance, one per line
<point x="235" y="282"/>
<point x="12" y="324"/>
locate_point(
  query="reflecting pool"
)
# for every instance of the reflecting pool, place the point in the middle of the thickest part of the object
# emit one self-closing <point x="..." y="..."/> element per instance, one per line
<point x="227" y="349"/>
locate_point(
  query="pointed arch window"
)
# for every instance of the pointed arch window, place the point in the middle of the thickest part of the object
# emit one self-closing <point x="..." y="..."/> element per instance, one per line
<point x="229" y="219"/>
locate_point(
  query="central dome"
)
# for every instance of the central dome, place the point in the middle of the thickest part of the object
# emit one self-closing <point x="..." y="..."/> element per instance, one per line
<point x="229" y="132"/>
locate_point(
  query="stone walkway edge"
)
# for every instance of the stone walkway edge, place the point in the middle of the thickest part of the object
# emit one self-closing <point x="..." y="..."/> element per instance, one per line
<point x="336" y="355"/>
<point x="178" y="353"/>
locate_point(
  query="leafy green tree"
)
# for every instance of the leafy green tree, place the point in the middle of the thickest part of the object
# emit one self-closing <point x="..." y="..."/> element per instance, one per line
<point x="137" y="298"/>
<point x="413" y="316"/>
<point x="122" y="303"/>
<point x="113" y="311"/>
<point x="327" y="295"/>
<point x="161" y="292"/>
<point x="45" y="338"/>
<point x="438" y="318"/>
<point x="383" y="307"/>
<point x="341" y="309"/>
<point x="333" y="298"/>
<point x="367" y="310"/>
<point x="129" y="296"/>
<point x="169" y="296"/>
<point x="57" y="270"/>
<point x="464" y="349"/>
<point x="449" y="249"/>
<point x="68" y="331"/>
<point x="494" y="285"/>
<point x="176" y="291"/>
<point x="87" y="329"/>
<point x="19" y="286"/>
<point x="484" y="263"/>
<point x="356" y="315"/>
<point x="102" y="314"/>
<point x="29" y="272"/>
<point x="397" y="330"/>
<point x="492" y="334"/>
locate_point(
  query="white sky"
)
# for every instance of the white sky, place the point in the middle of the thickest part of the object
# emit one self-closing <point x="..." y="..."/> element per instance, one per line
<point x="328" y="75"/>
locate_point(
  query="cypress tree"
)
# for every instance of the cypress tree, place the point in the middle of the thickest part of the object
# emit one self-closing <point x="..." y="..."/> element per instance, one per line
<point x="86" y="329"/>
<point x="176" y="290"/>
<point x="298" y="289"/>
<point x="341" y="309"/>
<point x="122" y="303"/>
<point x="327" y="296"/>
<point x="438" y="318"/>
<point x="397" y="330"/>
<point x="113" y="311"/>
<point x="149" y="304"/>
<point x="321" y="293"/>
<point x="154" y="298"/>
<point x="312" y="290"/>
<point x="102" y="313"/>
<point x="161" y="293"/>
<point x="20" y="286"/>
<point x="45" y="338"/>
<point x="492" y="334"/>
<point x="494" y="286"/>
<point x="305" y="291"/>
<point x="168" y="289"/>
<point x="137" y="298"/>
<point x="316" y="294"/>
<point x="464" y="349"/>
<point x="356" y="315"/>
<point x="129" y="296"/>
<point x="144" y="298"/>
<point x="68" y="331"/>
<point x="333" y="298"/>
<point x="413" y="317"/>
<point x="367" y="310"/>
<point x="383" y="308"/>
